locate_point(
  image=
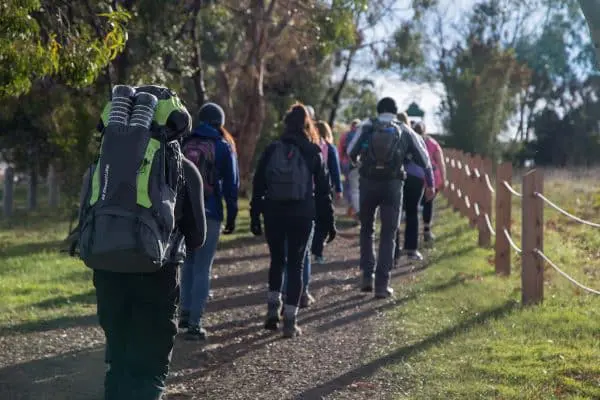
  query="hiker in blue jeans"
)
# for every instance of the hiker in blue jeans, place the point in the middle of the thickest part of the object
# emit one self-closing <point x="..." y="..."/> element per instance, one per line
<point x="306" y="299"/>
<point x="212" y="149"/>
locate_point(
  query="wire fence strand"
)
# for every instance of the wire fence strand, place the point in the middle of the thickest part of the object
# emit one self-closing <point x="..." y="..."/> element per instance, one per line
<point x="488" y="222"/>
<point x="488" y="182"/>
<point x="569" y="278"/>
<point x="566" y="213"/>
<point x="511" y="242"/>
<point x="510" y="189"/>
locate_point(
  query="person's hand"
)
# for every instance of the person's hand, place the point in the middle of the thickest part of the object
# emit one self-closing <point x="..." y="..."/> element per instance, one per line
<point x="331" y="234"/>
<point x="229" y="228"/>
<point x="429" y="194"/>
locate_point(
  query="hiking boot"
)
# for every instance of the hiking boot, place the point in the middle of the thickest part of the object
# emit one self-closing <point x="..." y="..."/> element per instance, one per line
<point x="196" y="332"/>
<point x="414" y="255"/>
<point x="366" y="285"/>
<point x="290" y="328"/>
<point x="306" y="300"/>
<point x="428" y="237"/>
<point x="384" y="293"/>
<point x="274" y="311"/>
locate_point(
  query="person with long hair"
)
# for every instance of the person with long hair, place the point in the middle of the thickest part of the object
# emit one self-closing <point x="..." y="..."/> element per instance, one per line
<point x="291" y="190"/>
<point x="212" y="149"/>
<point x="332" y="160"/>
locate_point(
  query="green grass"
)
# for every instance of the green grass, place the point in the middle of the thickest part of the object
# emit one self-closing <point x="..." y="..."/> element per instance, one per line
<point x="39" y="285"/>
<point x="462" y="333"/>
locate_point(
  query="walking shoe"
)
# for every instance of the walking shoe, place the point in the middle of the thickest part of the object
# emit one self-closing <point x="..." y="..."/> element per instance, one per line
<point x="366" y="285"/>
<point x="319" y="260"/>
<point x="183" y="320"/>
<point x="306" y="300"/>
<point x="196" y="332"/>
<point x="414" y="255"/>
<point x="290" y="328"/>
<point x="428" y="237"/>
<point x="274" y="311"/>
<point x="384" y="293"/>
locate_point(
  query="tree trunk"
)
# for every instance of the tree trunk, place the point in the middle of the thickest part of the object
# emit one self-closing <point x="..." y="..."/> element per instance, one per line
<point x="198" y="76"/>
<point x="591" y="11"/>
<point x="248" y="133"/>
<point x="7" y="197"/>
<point x="338" y="93"/>
<point x="53" y="187"/>
<point x="33" y="188"/>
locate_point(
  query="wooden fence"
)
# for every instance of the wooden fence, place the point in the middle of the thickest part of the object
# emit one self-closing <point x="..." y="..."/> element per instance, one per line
<point x="471" y="189"/>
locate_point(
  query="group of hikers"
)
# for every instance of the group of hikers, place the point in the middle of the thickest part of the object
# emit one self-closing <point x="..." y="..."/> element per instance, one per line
<point x="152" y="213"/>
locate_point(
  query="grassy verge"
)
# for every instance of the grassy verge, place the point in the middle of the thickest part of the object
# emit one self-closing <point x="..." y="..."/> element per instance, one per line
<point x="462" y="334"/>
<point x="39" y="285"/>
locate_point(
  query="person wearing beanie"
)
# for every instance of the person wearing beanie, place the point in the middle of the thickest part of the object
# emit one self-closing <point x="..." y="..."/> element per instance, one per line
<point x="311" y="112"/>
<point x="380" y="148"/>
<point x="212" y="149"/>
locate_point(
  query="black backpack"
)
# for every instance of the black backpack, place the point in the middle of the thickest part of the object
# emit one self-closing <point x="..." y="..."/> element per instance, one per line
<point x="127" y="216"/>
<point x="383" y="156"/>
<point x="287" y="174"/>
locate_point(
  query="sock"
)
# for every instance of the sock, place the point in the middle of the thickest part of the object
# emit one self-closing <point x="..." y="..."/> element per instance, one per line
<point x="274" y="297"/>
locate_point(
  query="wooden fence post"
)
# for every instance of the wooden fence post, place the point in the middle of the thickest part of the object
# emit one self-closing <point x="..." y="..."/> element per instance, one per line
<point x="484" y="200"/>
<point x="474" y="189"/>
<point x="503" y="219"/>
<point x="459" y="182"/>
<point x="464" y="184"/>
<point x="532" y="270"/>
<point x="454" y="180"/>
<point x="8" y="194"/>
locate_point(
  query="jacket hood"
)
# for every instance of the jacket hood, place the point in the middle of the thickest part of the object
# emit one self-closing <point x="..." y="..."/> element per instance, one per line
<point x="206" y="130"/>
<point x="300" y="141"/>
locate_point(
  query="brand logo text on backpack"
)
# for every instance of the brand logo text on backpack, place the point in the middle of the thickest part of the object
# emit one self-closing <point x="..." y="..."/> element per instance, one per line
<point x="105" y="186"/>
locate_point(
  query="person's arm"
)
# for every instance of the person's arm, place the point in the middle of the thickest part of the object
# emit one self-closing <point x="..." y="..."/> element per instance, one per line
<point x="333" y="160"/>
<point x="193" y="218"/>
<point x="441" y="162"/>
<point x="323" y="202"/>
<point x="259" y="186"/>
<point x="231" y="185"/>
<point x="416" y="147"/>
<point x="357" y="142"/>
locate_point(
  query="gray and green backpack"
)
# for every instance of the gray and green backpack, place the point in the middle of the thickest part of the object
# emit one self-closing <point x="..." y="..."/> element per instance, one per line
<point x="127" y="215"/>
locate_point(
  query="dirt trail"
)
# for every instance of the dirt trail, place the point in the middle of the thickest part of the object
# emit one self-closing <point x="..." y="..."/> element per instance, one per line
<point x="240" y="360"/>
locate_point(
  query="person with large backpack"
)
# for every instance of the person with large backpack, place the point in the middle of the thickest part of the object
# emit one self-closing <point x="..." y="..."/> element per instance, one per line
<point x="141" y="207"/>
<point x="380" y="147"/>
<point x="212" y="149"/>
<point x="349" y="171"/>
<point x="332" y="160"/>
<point x="412" y="195"/>
<point x="291" y="190"/>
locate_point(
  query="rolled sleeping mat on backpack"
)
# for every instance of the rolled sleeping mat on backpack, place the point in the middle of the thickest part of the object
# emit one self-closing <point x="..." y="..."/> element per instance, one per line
<point x="121" y="105"/>
<point x="170" y="112"/>
<point x="143" y="110"/>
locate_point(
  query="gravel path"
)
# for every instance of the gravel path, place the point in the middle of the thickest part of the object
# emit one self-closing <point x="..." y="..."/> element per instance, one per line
<point x="240" y="360"/>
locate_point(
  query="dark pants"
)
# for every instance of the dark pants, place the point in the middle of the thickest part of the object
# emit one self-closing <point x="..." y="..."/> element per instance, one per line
<point x="413" y="193"/>
<point x="318" y="242"/>
<point x="296" y="231"/>
<point x="427" y="212"/>
<point x="137" y="314"/>
<point x="387" y="196"/>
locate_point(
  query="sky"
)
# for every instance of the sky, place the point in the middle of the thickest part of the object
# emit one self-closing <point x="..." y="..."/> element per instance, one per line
<point x="427" y="96"/>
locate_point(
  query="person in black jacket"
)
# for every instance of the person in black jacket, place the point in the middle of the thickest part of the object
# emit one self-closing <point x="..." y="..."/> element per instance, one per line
<point x="288" y="223"/>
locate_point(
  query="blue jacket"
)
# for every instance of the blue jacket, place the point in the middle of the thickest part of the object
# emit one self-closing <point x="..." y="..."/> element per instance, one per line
<point x="333" y="165"/>
<point x="229" y="176"/>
